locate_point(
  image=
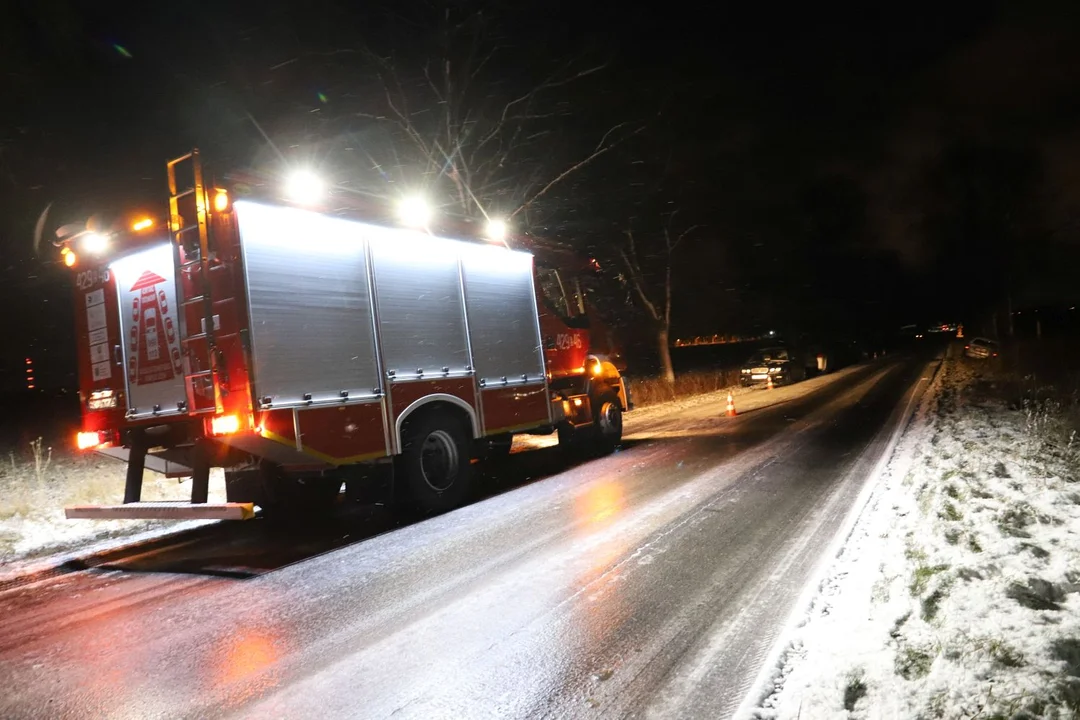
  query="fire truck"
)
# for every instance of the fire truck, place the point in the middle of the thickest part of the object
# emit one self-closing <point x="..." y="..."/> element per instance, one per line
<point x="299" y="347"/>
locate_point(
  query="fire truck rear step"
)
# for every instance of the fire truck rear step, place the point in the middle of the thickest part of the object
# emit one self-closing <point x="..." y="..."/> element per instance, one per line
<point x="162" y="511"/>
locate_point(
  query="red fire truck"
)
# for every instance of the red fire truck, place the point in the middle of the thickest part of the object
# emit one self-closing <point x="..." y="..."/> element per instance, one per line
<point x="296" y="347"/>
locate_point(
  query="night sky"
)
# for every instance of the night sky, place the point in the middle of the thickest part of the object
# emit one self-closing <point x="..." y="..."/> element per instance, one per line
<point x="850" y="169"/>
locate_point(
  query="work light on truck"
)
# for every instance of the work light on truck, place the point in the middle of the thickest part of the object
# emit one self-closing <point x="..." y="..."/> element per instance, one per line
<point x="94" y="243"/>
<point x="414" y="212"/>
<point x="496" y="230"/>
<point x="302" y="187"/>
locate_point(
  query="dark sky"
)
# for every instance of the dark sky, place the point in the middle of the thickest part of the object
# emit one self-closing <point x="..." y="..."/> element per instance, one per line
<point x="858" y="166"/>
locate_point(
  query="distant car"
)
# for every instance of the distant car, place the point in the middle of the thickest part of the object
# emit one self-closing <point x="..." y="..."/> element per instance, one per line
<point x="981" y="348"/>
<point x="778" y="363"/>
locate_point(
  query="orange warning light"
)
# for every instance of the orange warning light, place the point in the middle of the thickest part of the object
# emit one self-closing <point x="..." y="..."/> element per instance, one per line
<point x="221" y="200"/>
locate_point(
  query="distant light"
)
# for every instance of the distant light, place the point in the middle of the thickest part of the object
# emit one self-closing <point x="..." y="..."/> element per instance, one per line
<point x="496" y="230"/>
<point x="94" y="243"/>
<point x="303" y="187"/>
<point x="414" y="212"/>
<point x="221" y="200"/>
<point x="143" y="224"/>
<point x="771" y="333"/>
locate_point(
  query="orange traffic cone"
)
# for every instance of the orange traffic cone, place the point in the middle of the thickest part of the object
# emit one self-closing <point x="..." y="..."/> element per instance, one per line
<point x="731" y="406"/>
<point x="769" y="385"/>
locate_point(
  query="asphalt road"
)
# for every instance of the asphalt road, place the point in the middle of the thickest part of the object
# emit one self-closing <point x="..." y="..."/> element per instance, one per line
<point x="650" y="583"/>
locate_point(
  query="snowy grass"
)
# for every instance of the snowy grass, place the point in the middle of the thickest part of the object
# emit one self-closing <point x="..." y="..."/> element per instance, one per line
<point x="37" y="481"/>
<point x="653" y="391"/>
<point x="957" y="594"/>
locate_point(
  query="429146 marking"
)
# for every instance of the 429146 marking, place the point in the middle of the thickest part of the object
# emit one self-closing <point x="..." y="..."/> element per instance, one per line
<point x="87" y="279"/>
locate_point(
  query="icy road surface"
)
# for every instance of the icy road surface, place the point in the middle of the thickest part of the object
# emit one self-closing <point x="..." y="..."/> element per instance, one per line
<point x="651" y="583"/>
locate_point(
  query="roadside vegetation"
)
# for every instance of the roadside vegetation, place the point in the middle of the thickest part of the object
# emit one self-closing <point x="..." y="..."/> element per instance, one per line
<point x="651" y="391"/>
<point x="957" y="594"/>
<point x="38" y="480"/>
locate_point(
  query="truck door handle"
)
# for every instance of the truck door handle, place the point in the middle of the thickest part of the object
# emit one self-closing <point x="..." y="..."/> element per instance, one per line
<point x="118" y="356"/>
<point x="549" y="343"/>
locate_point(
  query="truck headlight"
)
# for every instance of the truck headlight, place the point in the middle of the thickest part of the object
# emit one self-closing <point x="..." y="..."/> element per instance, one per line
<point x="746" y="371"/>
<point x="774" y="369"/>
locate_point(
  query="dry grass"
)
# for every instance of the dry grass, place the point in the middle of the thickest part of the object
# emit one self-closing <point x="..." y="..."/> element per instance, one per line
<point x="40" y="480"/>
<point x="37" y="482"/>
<point x="650" y="391"/>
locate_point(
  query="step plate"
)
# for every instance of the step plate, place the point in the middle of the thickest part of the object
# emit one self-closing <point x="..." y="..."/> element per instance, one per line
<point x="162" y="511"/>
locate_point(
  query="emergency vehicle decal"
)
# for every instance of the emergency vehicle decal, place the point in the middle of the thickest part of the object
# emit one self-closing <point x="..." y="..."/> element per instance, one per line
<point x="99" y="334"/>
<point x="154" y="347"/>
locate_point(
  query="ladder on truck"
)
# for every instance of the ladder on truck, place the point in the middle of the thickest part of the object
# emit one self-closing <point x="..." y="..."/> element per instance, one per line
<point x="193" y="249"/>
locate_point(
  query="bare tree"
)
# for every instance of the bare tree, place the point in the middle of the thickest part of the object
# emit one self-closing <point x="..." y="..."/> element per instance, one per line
<point x="471" y="141"/>
<point x="651" y="283"/>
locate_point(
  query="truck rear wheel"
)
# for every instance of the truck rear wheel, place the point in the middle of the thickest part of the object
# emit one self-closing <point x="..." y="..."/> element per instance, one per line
<point x="607" y="423"/>
<point x="600" y="438"/>
<point x="435" y="464"/>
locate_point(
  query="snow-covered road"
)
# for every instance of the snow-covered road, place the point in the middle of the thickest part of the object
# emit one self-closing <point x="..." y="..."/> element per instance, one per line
<point x="650" y="583"/>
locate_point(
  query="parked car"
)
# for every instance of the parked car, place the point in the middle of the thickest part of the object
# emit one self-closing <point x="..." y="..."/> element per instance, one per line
<point x="778" y="363"/>
<point x="981" y="348"/>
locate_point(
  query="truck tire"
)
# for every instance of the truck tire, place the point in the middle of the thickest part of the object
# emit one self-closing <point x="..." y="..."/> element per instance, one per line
<point x="607" y="423"/>
<point x="434" y="468"/>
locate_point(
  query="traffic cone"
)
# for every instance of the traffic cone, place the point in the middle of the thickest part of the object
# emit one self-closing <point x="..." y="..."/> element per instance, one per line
<point x="731" y="406"/>
<point x="769" y="385"/>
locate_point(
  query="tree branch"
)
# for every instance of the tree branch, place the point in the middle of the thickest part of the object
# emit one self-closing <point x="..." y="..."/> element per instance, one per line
<point x="637" y="282"/>
<point x="600" y="150"/>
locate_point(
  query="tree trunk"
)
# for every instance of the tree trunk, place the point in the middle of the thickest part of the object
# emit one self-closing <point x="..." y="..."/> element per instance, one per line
<point x="667" y="372"/>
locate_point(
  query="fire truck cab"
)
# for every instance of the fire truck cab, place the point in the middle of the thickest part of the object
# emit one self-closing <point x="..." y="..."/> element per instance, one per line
<point x="295" y="347"/>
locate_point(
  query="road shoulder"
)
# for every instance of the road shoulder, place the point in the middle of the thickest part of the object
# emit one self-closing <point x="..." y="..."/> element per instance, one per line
<point x="955" y="595"/>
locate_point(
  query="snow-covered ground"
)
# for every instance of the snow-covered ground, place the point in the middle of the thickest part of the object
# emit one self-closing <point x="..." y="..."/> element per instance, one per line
<point x="34" y="493"/>
<point x="956" y="594"/>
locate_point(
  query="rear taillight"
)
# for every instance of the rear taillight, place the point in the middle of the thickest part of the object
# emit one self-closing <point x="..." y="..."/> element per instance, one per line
<point x="227" y="424"/>
<point x="88" y="440"/>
